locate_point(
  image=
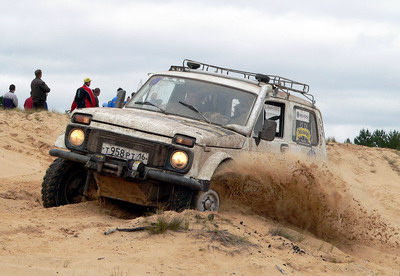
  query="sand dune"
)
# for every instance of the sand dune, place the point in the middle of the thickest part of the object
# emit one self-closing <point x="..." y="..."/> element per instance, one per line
<point x="289" y="217"/>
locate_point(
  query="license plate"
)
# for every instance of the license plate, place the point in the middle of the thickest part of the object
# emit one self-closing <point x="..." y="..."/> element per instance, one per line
<point x="124" y="153"/>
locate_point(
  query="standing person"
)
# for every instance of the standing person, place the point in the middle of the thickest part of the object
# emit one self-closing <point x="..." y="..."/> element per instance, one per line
<point x="84" y="96"/>
<point x="10" y="100"/>
<point x="39" y="91"/>
<point x="96" y="93"/>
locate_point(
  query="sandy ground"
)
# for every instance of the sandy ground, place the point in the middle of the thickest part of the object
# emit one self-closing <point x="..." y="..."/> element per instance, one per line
<point x="294" y="218"/>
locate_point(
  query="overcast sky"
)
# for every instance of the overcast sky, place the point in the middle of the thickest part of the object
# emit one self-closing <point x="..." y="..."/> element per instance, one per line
<point x="347" y="51"/>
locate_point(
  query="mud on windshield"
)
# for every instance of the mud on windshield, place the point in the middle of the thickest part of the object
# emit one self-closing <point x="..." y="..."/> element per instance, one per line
<point x="194" y="99"/>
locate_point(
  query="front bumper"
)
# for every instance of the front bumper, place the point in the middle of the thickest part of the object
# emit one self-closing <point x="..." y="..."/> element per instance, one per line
<point x="101" y="164"/>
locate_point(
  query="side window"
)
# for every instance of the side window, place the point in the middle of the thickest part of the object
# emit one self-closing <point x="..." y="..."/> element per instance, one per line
<point x="305" y="127"/>
<point x="272" y="111"/>
<point x="276" y="112"/>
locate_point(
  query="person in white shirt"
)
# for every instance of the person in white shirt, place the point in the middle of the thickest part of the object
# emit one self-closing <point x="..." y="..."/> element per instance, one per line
<point x="10" y="100"/>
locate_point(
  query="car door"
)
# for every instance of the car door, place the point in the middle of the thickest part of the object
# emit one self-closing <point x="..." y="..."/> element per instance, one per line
<point x="275" y="111"/>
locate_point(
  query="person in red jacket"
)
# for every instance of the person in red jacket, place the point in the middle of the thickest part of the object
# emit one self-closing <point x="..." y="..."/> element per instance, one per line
<point x="84" y="96"/>
<point x="28" y="103"/>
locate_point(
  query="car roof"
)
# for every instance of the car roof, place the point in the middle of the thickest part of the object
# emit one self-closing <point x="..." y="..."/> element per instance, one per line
<point x="238" y="83"/>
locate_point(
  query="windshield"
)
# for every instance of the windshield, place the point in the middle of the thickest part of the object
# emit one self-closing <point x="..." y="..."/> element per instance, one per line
<point x="195" y="99"/>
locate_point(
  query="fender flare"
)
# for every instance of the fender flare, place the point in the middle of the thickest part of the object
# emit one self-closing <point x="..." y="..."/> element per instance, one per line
<point x="60" y="141"/>
<point x="211" y="165"/>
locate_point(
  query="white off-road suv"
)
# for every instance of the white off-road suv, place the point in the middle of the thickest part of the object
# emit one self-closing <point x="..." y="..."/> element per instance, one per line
<point x="167" y="142"/>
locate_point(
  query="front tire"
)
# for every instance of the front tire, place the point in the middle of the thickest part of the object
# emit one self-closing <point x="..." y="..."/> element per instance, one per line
<point x="63" y="183"/>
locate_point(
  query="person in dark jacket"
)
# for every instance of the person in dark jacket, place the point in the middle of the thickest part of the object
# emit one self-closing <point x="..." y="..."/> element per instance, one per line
<point x="96" y="93"/>
<point x="39" y="91"/>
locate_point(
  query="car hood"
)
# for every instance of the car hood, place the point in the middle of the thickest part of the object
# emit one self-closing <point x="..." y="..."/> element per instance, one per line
<point x="167" y="125"/>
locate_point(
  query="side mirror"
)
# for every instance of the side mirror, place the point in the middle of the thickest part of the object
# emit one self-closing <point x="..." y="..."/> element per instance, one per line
<point x="120" y="98"/>
<point x="268" y="131"/>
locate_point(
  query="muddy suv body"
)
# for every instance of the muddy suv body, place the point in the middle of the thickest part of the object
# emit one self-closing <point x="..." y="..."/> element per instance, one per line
<point x="166" y="144"/>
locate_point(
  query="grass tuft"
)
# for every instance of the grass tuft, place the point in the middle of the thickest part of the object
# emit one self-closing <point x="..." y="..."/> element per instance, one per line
<point x="66" y="263"/>
<point x="163" y="224"/>
<point x="226" y="238"/>
<point x="331" y="140"/>
<point x="392" y="163"/>
<point x="118" y="272"/>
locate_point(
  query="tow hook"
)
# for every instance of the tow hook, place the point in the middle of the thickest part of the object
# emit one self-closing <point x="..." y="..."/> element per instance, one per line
<point x="136" y="169"/>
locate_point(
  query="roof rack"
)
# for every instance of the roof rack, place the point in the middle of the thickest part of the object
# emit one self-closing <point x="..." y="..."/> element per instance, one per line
<point x="279" y="83"/>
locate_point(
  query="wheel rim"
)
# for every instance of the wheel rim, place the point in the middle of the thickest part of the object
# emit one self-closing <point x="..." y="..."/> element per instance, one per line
<point x="73" y="189"/>
<point x="208" y="201"/>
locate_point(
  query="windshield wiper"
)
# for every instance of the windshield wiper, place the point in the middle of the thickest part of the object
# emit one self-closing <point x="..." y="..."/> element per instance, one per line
<point x="149" y="103"/>
<point x="195" y="109"/>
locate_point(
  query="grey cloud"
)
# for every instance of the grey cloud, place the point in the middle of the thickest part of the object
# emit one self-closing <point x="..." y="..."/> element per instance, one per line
<point x="342" y="53"/>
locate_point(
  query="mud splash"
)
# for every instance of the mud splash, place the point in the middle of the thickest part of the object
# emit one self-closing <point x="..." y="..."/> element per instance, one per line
<point x="302" y="194"/>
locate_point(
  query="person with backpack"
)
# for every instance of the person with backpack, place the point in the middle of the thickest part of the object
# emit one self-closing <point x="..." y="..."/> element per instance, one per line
<point x="84" y="97"/>
<point x="10" y="100"/>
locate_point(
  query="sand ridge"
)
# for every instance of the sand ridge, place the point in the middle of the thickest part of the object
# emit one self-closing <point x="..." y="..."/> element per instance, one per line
<point x="294" y="218"/>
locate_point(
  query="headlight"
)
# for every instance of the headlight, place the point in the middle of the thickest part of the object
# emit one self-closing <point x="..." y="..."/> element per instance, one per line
<point x="76" y="137"/>
<point x="179" y="159"/>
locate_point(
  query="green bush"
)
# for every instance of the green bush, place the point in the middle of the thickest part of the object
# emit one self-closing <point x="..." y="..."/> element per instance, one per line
<point x="379" y="138"/>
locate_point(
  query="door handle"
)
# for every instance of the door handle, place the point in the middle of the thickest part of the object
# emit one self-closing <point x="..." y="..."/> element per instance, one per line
<point x="284" y="147"/>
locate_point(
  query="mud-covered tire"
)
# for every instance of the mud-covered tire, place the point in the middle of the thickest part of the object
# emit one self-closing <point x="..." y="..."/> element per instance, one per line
<point x="206" y="201"/>
<point x="63" y="183"/>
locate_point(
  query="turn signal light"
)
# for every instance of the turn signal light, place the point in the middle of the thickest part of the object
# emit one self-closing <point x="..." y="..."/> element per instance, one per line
<point x="82" y="119"/>
<point x="184" y="140"/>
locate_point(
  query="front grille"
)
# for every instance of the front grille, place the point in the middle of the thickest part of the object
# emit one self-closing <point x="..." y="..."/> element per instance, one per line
<point x="157" y="151"/>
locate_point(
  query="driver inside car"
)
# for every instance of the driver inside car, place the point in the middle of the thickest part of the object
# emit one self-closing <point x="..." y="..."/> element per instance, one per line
<point x="196" y="99"/>
<point x="203" y="104"/>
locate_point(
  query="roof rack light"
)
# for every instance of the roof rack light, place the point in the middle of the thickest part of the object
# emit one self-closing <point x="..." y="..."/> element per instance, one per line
<point x="262" y="78"/>
<point x="193" y="65"/>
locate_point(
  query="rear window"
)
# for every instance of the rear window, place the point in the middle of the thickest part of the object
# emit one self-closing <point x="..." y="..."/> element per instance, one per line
<point x="305" y="127"/>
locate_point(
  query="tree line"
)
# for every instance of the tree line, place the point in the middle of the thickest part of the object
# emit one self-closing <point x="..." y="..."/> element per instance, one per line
<point x="378" y="138"/>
